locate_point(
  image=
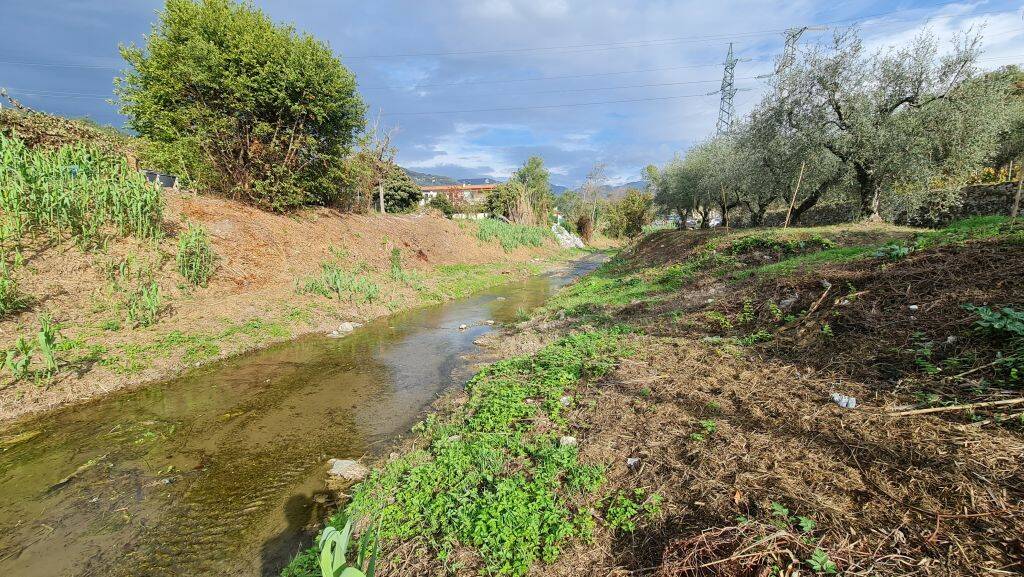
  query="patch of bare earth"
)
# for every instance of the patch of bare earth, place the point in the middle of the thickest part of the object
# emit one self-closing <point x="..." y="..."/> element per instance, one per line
<point x="889" y="496"/>
<point x="262" y="259"/>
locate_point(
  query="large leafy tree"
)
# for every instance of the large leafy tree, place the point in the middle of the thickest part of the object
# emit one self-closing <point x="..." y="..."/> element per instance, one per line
<point x="245" y="107"/>
<point x="900" y="119"/>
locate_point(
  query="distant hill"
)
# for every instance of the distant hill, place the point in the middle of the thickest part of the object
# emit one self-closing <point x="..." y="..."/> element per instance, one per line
<point x="616" y="191"/>
<point x="424" y="179"/>
<point x="609" y="191"/>
<point x="482" y="180"/>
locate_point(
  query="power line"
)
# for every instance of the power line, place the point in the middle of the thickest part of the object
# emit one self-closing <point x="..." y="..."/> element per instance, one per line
<point x="548" y="106"/>
<point x="62" y="94"/>
<point x="656" y="42"/>
<point x="537" y="78"/>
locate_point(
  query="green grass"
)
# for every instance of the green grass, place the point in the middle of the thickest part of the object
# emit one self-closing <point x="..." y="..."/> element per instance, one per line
<point x="193" y="347"/>
<point x="77" y="192"/>
<point x="612" y="285"/>
<point x="460" y="280"/>
<point x="809" y="261"/>
<point x="512" y="236"/>
<point x="492" y="475"/>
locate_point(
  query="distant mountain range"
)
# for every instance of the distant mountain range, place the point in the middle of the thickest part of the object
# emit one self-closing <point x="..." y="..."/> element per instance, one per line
<point x="426" y="179"/>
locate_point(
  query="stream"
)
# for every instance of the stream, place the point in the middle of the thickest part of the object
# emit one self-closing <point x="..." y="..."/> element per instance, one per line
<point x="221" y="470"/>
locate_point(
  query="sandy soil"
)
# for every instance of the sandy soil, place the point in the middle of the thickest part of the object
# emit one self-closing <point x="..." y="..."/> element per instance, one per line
<point x="251" y="301"/>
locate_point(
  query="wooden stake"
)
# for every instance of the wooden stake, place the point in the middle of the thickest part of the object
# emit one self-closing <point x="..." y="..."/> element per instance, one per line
<point x="1016" y="199"/>
<point x="725" y="209"/>
<point x="792" y="201"/>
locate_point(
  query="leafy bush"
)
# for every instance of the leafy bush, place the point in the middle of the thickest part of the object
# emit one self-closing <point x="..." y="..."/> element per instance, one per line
<point x="144" y="304"/>
<point x="400" y="192"/>
<point x="18" y="358"/>
<point x="1006" y="326"/>
<point x="334" y="544"/>
<point x="444" y="204"/>
<point x="625" y="507"/>
<point x="627" y="217"/>
<point x="196" y="259"/>
<point x="893" y="251"/>
<point x="75" y="191"/>
<point x="245" y="107"/>
<point x="1007" y="320"/>
<point x="512" y="236"/>
<point x="11" y="298"/>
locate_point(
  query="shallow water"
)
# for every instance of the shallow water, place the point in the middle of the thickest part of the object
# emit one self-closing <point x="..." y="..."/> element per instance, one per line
<point x="218" y="471"/>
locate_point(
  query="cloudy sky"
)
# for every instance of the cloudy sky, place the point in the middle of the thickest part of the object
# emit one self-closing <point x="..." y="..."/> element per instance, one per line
<point x="476" y="86"/>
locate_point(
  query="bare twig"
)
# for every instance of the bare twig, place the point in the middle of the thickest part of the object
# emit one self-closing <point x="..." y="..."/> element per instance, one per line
<point x="959" y="407"/>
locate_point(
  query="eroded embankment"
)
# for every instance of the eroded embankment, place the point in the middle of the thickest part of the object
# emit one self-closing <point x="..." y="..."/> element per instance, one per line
<point x="277" y="277"/>
<point x="711" y="442"/>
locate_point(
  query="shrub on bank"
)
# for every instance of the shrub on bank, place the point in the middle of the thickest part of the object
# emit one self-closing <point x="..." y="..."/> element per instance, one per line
<point x="196" y="259"/>
<point x="241" y="105"/>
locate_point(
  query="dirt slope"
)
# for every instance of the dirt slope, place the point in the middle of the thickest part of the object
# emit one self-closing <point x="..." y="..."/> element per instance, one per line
<point x="253" y="298"/>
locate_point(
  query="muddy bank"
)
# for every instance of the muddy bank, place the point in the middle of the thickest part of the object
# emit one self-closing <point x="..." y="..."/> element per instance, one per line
<point x="255" y="298"/>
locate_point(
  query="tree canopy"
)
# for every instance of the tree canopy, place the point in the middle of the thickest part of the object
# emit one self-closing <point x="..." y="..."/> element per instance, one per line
<point x="890" y="131"/>
<point x="240" y="105"/>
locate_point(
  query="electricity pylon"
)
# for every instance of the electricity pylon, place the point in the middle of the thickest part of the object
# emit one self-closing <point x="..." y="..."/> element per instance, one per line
<point x="726" y="108"/>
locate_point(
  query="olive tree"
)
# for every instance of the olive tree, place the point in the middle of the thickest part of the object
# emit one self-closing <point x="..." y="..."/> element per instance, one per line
<point x="900" y="119"/>
<point x="244" y="106"/>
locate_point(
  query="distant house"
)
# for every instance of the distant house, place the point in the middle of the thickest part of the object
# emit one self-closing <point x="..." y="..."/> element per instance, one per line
<point x="467" y="193"/>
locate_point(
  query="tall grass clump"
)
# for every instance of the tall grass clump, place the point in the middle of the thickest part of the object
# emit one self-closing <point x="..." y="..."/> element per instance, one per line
<point x="196" y="259"/>
<point x="512" y="236"/>
<point x="336" y="282"/>
<point x="75" y="191"/>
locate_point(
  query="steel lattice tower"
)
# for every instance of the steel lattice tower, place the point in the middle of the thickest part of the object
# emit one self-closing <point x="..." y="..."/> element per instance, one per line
<point x="726" y="108"/>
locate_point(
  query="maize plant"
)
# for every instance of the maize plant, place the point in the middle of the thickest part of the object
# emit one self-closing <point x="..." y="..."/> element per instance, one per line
<point x="75" y="191"/>
<point x="46" y="341"/>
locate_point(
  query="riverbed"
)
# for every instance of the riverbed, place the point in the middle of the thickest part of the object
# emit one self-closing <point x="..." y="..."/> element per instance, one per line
<point x="221" y="470"/>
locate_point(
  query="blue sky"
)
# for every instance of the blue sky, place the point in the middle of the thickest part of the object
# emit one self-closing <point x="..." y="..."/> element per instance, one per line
<point x="474" y="87"/>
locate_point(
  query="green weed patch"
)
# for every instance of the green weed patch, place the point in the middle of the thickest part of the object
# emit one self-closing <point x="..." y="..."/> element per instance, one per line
<point x="492" y="476"/>
<point x="512" y="236"/>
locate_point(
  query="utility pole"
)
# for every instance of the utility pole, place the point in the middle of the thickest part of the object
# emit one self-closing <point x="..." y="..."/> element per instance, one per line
<point x="726" y="108"/>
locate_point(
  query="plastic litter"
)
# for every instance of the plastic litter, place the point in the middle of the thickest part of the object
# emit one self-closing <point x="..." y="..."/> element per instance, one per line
<point x="844" y="401"/>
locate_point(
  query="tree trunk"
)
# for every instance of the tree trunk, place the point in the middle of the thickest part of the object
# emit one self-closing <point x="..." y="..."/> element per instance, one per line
<point x="867" y="189"/>
<point x="380" y="191"/>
